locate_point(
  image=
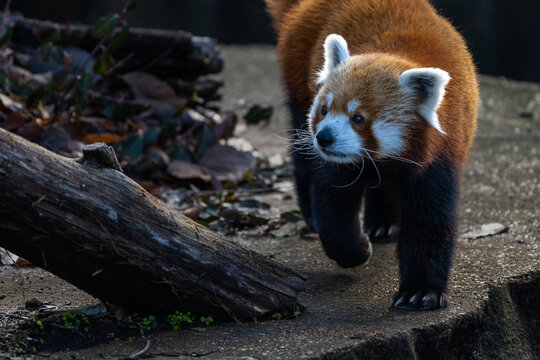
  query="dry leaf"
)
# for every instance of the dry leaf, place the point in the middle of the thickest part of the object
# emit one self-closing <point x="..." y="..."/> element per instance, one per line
<point x="107" y="138"/>
<point x="14" y="121"/>
<point x="184" y="170"/>
<point x="146" y="86"/>
<point x="9" y="104"/>
<point x="486" y="230"/>
<point x="7" y="258"/>
<point x="227" y="163"/>
<point x="221" y="162"/>
<point x="192" y="212"/>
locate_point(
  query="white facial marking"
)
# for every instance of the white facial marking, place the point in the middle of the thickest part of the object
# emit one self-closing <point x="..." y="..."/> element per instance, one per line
<point x="329" y="99"/>
<point x="348" y="144"/>
<point x="430" y="84"/>
<point x="313" y="111"/>
<point x="335" y="52"/>
<point x="390" y="137"/>
<point x="352" y="105"/>
<point x="315" y="106"/>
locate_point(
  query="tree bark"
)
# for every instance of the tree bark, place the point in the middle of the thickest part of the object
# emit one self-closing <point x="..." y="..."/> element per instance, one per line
<point x="99" y="230"/>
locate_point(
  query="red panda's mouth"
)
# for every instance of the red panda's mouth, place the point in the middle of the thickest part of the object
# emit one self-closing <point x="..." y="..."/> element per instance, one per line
<point x="334" y="153"/>
<point x="339" y="157"/>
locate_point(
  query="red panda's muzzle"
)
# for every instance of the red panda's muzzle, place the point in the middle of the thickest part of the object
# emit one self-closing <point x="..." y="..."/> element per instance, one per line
<point x="325" y="137"/>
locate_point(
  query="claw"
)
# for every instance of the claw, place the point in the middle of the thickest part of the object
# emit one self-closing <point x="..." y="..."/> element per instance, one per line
<point x="443" y="301"/>
<point x="398" y="302"/>
<point x="413" y="300"/>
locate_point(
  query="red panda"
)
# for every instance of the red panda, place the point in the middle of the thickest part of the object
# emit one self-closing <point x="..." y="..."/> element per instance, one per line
<point x="383" y="95"/>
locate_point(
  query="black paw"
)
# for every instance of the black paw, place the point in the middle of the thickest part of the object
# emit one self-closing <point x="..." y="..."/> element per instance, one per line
<point x="382" y="233"/>
<point x="420" y="300"/>
<point x="348" y="254"/>
<point x="354" y="258"/>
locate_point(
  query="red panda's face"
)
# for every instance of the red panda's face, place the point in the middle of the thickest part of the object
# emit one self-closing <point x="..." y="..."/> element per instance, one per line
<point x="360" y="111"/>
<point x="371" y="105"/>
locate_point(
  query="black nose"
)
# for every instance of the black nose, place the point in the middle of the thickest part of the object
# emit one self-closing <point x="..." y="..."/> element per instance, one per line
<point x="325" y="137"/>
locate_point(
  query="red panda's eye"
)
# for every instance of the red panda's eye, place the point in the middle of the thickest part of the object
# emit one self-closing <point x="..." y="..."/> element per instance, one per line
<point x="324" y="110"/>
<point x="357" y="119"/>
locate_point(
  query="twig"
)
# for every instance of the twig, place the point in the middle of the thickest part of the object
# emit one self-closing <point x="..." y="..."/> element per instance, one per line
<point x="126" y="5"/>
<point x="106" y="37"/>
<point x="140" y="352"/>
<point x="119" y="64"/>
<point x="192" y="129"/>
<point x="91" y="56"/>
<point x="156" y="60"/>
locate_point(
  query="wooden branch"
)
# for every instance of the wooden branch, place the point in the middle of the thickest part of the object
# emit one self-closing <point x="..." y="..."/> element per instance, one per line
<point x="99" y="230"/>
<point x="100" y="155"/>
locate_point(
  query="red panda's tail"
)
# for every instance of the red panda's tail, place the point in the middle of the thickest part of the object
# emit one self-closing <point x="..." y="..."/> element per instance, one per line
<point x="278" y="8"/>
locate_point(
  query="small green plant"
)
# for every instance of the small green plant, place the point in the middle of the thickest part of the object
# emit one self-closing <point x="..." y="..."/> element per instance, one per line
<point x="111" y="335"/>
<point x="207" y="320"/>
<point x="145" y="324"/>
<point x="255" y="320"/>
<point x="16" y="350"/>
<point x="178" y="318"/>
<point x="296" y="311"/>
<point x="85" y="322"/>
<point x="68" y="320"/>
<point x="277" y="316"/>
<point x="75" y="322"/>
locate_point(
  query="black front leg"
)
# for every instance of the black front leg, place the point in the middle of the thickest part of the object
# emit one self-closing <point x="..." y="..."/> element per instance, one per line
<point x="427" y="235"/>
<point x="336" y="214"/>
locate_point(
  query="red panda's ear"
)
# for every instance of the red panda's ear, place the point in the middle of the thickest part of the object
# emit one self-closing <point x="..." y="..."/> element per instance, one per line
<point x="428" y="86"/>
<point x="335" y="52"/>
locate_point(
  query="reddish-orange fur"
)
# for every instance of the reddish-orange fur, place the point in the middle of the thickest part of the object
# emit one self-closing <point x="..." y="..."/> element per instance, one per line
<point x="407" y="30"/>
<point x="278" y="8"/>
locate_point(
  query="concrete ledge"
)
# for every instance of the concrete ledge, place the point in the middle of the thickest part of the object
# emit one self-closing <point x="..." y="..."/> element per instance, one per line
<point x="495" y="283"/>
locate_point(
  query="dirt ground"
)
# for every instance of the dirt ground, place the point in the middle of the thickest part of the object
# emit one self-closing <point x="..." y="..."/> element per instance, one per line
<point x="494" y="284"/>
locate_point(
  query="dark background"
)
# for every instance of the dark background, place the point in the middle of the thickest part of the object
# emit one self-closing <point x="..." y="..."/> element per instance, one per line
<point x="503" y="35"/>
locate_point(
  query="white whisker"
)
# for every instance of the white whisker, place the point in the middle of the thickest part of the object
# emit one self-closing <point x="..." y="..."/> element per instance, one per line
<point x="396" y="158"/>
<point x="376" y="169"/>
<point x="354" y="181"/>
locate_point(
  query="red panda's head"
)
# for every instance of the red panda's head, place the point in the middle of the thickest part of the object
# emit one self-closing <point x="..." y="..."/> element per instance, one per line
<point x="372" y="104"/>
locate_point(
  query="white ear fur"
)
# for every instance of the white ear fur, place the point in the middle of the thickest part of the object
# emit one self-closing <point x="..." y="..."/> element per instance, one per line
<point x="427" y="84"/>
<point x="335" y="52"/>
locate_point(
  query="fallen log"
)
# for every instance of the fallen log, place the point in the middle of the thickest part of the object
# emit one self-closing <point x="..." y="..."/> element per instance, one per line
<point x="97" y="229"/>
<point x="164" y="53"/>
